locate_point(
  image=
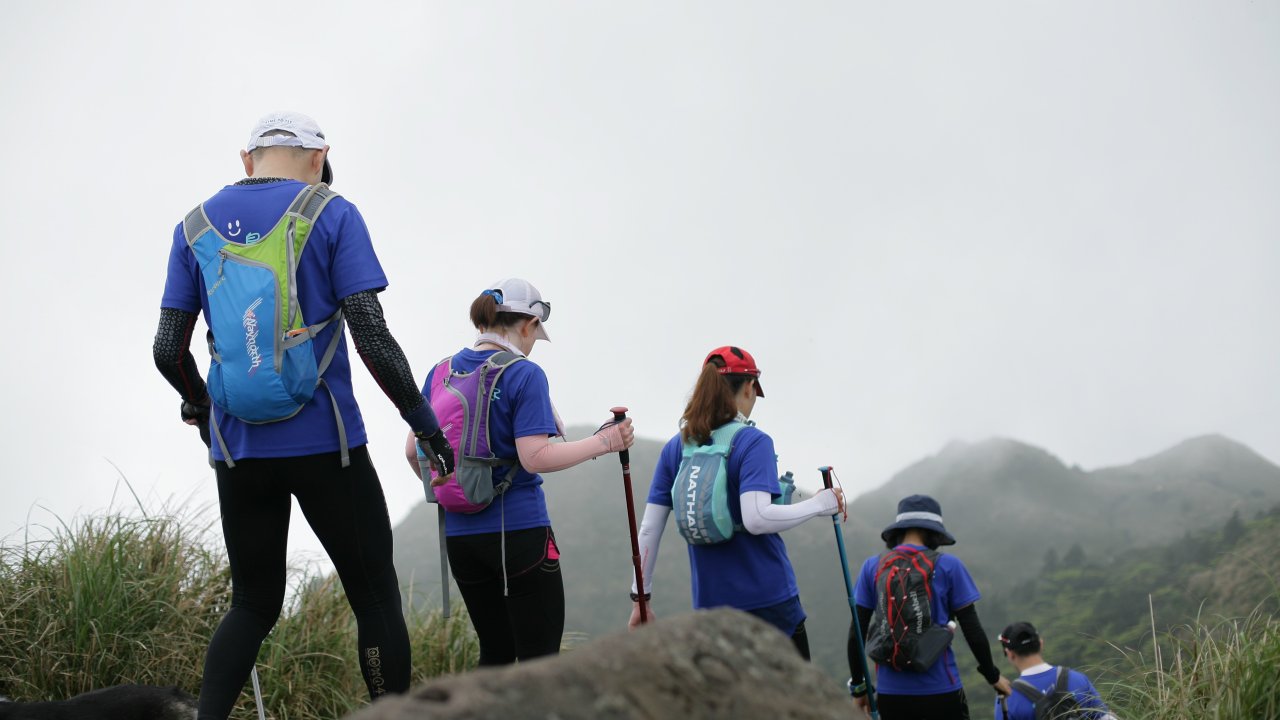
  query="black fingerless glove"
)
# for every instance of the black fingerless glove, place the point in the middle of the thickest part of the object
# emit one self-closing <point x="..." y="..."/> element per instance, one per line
<point x="200" y="413"/>
<point x="438" y="451"/>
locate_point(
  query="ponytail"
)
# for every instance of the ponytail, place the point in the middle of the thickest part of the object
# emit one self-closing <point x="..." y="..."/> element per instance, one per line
<point x="486" y="316"/>
<point x="712" y="404"/>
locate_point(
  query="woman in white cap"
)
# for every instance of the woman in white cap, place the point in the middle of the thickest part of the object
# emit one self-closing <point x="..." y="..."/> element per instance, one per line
<point x="909" y="587"/>
<point x="504" y="555"/>
<point x="750" y="569"/>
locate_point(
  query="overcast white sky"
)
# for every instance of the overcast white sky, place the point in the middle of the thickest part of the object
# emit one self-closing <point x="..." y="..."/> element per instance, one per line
<point x="929" y="221"/>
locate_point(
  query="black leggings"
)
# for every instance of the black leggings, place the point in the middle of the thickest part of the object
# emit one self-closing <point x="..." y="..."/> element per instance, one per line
<point x="346" y="509"/>
<point x="528" y="621"/>
<point x="945" y="706"/>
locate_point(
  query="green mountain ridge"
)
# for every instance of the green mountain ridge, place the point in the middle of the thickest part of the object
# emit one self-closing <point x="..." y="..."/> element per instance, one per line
<point x="1092" y="613"/>
<point x="1008" y="503"/>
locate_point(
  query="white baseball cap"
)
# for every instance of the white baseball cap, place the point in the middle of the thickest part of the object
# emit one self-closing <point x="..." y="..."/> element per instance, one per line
<point x="306" y="134"/>
<point x="520" y="296"/>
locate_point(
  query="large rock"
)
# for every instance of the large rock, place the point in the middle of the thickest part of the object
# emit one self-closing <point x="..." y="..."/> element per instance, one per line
<point x="707" y="664"/>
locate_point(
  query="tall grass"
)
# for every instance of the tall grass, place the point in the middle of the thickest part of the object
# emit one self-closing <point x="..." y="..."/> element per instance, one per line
<point x="1225" y="671"/>
<point x="116" y="599"/>
<point x="109" y="600"/>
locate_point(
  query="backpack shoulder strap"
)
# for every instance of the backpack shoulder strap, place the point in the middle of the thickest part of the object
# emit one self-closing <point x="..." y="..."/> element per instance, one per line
<point x="931" y="556"/>
<point x="1028" y="690"/>
<point x="498" y="362"/>
<point x="194" y="225"/>
<point x="310" y="201"/>
<point x="490" y="372"/>
<point x="503" y="359"/>
<point x="725" y="434"/>
<point x="1060" y="684"/>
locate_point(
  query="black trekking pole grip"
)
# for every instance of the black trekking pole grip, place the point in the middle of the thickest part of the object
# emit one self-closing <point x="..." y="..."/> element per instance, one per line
<point x="620" y="414"/>
<point x="826" y="476"/>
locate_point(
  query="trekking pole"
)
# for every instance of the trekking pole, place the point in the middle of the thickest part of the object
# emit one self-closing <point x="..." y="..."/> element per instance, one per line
<point x="424" y="469"/>
<point x="257" y="693"/>
<point x="853" y="610"/>
<point x="620" y="414"/>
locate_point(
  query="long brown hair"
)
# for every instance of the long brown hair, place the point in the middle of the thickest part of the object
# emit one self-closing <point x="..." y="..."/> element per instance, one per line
<point x="712" y="404"/>
<point x="486" y="316"/>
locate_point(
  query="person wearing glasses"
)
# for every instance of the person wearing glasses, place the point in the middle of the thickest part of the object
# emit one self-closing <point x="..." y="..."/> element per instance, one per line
<point x="750" y="570"/>
<point x="504" y="557"/>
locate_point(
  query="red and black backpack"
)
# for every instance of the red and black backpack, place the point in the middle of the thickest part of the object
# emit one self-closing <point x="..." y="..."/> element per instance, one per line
<point x="904" y="608"/>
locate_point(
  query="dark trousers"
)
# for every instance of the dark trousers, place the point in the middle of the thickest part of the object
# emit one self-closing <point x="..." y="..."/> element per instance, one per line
<point x="781" y="616"/>
<point x="946" y="706"/>
<point x="528" y="620"/>
<point x="800" y="639"/>
<point x="346" y="509"/>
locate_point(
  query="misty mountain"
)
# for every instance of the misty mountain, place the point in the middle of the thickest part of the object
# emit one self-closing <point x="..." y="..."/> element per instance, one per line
<point x="1007" y="503"/>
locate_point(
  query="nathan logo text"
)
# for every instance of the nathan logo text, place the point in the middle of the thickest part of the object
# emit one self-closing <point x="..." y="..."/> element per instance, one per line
<point x="690" y="515"/>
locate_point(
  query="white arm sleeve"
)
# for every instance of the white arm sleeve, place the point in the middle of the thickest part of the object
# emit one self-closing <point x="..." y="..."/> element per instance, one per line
<point x="760" y="515"/>
<point x="651" y="527"/>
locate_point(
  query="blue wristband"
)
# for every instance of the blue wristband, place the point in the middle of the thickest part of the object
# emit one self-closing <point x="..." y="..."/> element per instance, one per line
<point x="422" y="420"/>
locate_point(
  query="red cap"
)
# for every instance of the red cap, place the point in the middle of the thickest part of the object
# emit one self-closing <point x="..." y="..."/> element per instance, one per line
<point x="736" y="362"/>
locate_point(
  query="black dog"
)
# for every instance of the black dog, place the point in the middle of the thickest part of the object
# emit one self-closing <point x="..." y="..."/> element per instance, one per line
<point x="122" y="702"/>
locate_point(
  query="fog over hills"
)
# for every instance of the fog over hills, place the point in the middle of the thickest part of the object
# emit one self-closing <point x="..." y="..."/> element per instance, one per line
<point x="1006" y="502"/>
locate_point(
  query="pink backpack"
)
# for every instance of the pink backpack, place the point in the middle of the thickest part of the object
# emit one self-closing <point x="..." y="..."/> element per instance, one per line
<point x="461" y="404"/>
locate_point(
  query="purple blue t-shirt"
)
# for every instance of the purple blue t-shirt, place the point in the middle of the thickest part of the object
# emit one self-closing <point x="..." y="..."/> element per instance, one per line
<point x="338" y="261"/>
<point x="520" y="407"/>
<point x="747" y="572"/>
<point x="1021" y="708"/>
<point x="953" y="589"/>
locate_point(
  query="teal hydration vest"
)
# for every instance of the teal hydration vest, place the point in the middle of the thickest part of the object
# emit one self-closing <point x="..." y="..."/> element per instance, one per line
<point x="700" y="492"/>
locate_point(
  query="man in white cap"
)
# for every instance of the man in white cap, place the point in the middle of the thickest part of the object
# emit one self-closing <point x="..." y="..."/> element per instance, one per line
<point x="277" y="341"/>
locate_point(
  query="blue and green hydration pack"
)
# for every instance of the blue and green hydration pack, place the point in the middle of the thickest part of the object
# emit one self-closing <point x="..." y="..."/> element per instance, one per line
<point x="262" y="367"/>
<point x="700" y="492"/>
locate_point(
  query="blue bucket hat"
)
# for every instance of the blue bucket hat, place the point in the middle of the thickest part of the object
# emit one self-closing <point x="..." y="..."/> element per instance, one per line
<point x="919" y="511"/>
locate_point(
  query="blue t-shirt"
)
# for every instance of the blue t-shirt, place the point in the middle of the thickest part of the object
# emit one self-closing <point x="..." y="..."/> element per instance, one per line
<point x="520" y="407"/>
<point x="338" y="261"/>
<point x="1021" y="708"/>
<point x="747" y="571"/>
<point x="953" y="589"/>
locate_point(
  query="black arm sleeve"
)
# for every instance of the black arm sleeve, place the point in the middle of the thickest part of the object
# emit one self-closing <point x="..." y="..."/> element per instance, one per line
<point x="976" y="638"/>
<point x="855" y="662"/>
<point x="382" y="354"/>
<point x="172" y="354"/>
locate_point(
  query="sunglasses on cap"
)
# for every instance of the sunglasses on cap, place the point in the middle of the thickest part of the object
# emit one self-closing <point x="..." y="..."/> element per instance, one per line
<point x="541" y="309"/>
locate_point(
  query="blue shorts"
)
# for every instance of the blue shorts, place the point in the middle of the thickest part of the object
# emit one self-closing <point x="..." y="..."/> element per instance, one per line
<point x="786" y="615"/>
